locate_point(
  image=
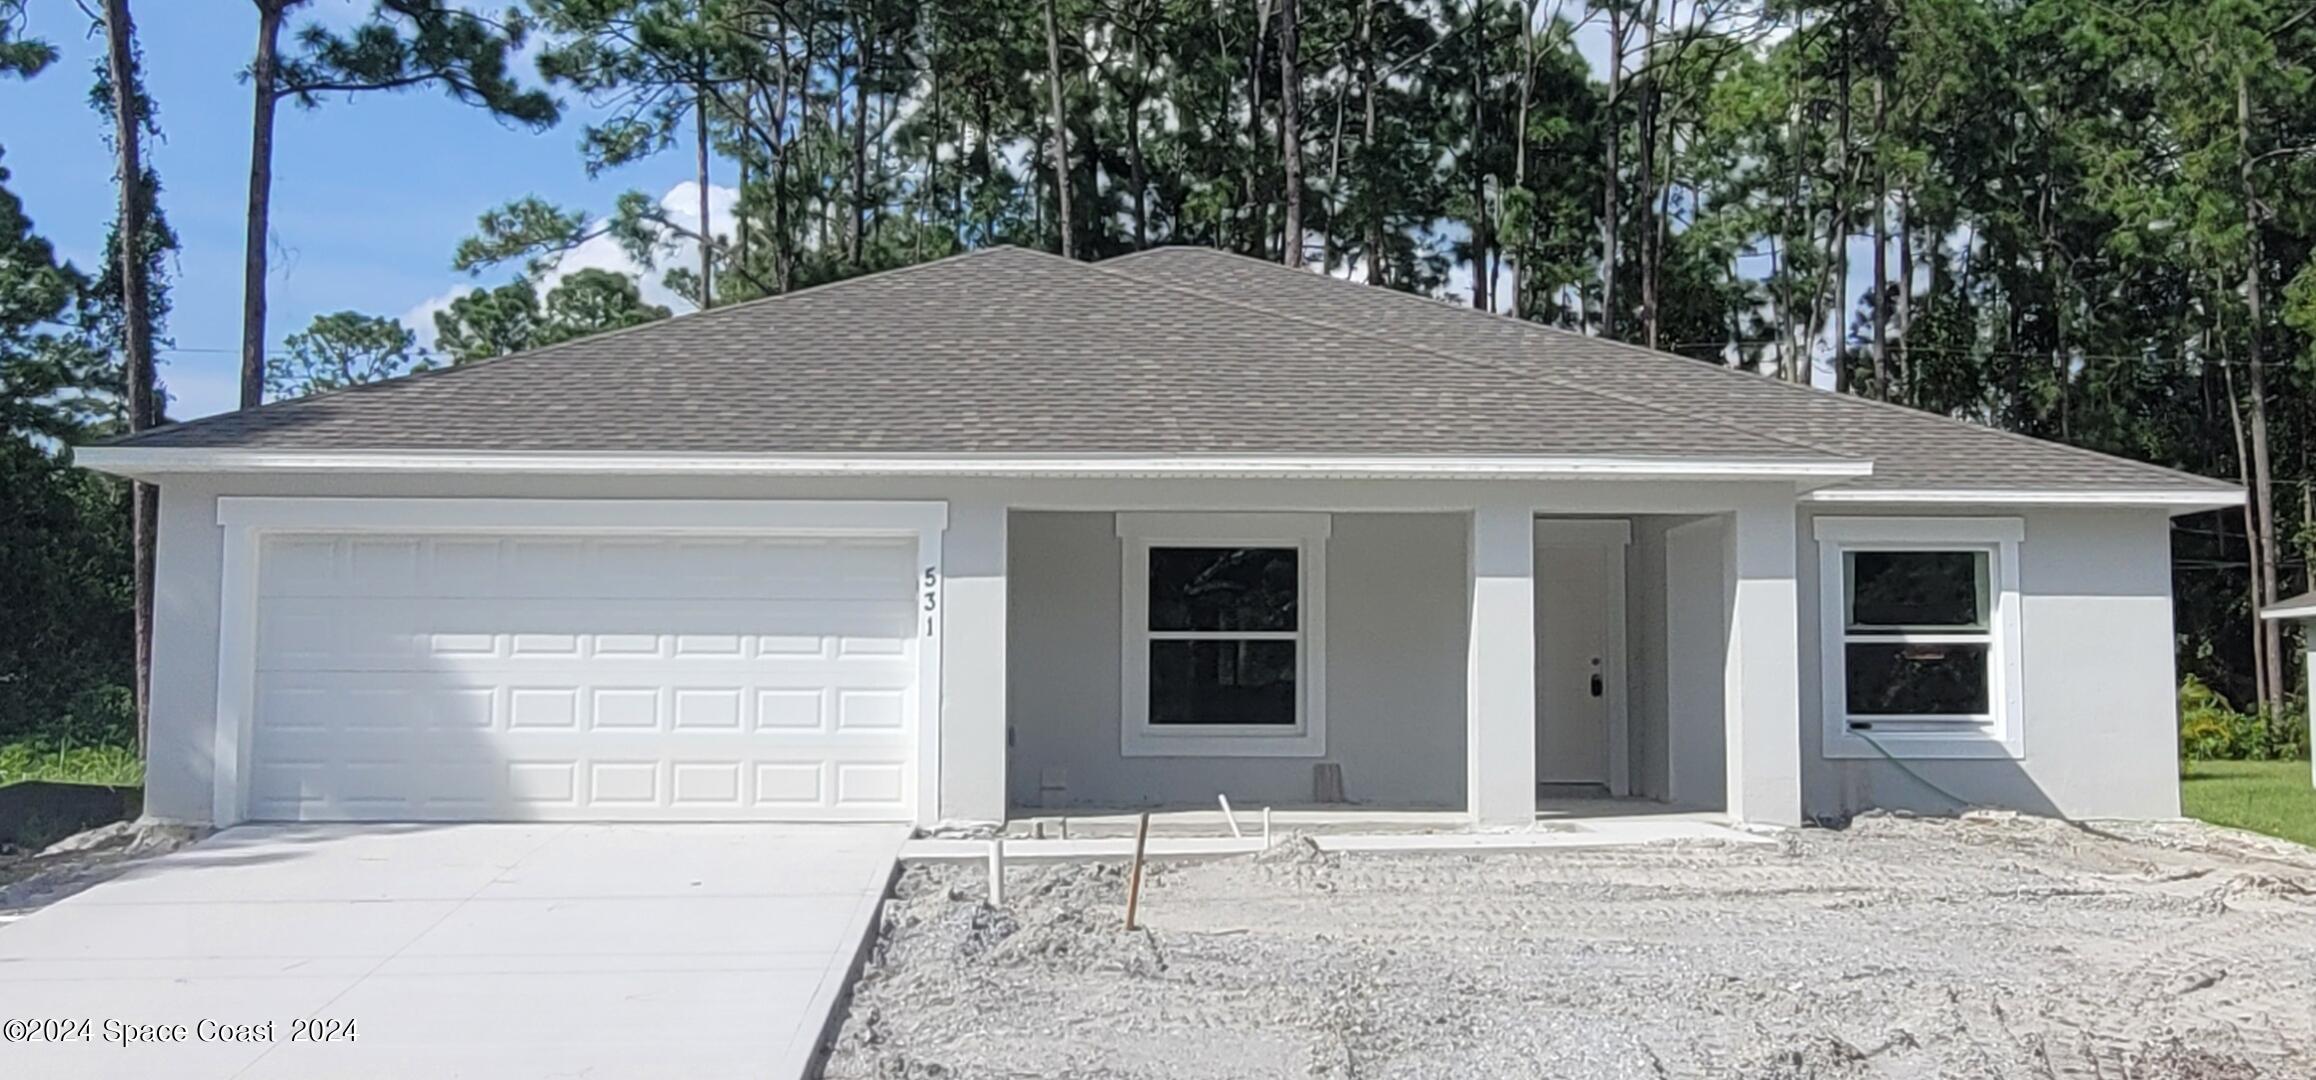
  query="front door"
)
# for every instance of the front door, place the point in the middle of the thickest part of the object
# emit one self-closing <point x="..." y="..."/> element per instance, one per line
<point x="1580" y="651"/>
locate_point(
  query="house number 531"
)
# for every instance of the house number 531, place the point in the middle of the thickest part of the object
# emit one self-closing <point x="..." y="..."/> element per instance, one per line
<point x="929" y="598"/>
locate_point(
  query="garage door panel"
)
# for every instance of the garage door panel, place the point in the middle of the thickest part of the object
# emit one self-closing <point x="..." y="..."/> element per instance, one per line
<point x="445" y="678"/>
<point x="329" y="633"/>
<point x="611" y="568"/>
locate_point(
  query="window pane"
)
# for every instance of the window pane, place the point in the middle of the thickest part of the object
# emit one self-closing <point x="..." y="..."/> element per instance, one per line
<point x="1917" y="589"/>
<point x="1222" y="588"/>
<point x="1893" y="679"/>
<point x="1222" y="682"/>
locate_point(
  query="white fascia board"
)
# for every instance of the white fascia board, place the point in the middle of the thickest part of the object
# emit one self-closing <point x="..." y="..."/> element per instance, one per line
<point x="2178" y="502"/>
<point x="2300" y="608"/>
<point x="142" y="462"/>
<point x="391" y="514"/>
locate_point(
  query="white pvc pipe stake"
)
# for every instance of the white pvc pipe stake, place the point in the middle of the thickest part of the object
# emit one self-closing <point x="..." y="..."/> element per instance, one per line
<point x="997" y="872"/>
<point x="1228" y="817"/>
<point x="1266" y="828"/>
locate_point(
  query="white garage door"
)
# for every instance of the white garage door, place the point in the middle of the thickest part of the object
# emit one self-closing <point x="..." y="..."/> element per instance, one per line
<point x="584" y="678"/>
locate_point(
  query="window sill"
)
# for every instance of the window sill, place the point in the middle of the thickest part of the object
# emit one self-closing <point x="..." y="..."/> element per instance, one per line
<point x="1924" y="746"/>
<point x="1144" y="741"/>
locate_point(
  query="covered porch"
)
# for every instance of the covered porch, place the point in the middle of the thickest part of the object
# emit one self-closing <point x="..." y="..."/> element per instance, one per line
<point x="1525" y="663"/>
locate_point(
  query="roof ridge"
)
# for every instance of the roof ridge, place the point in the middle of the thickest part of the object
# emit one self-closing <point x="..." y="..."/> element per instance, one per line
<point x="1528" y="327"/>
<point x="1555" y="380"/>
<point x="597" y="338"/>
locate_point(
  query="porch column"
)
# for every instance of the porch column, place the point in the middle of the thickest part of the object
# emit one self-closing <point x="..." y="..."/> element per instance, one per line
<point x="972" y="759"/>
<point x="1761" y="698"/>
<point x="1500" y="671"/>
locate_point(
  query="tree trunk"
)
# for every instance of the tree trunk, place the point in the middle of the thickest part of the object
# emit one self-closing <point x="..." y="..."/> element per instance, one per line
<point x="1061" y="136"/>
<point x="1367" y="142"/>
<point x="1483" y="231"/>
<point x="1795" y="366"/>
<point x="783" y="254"/>
<point x="2255" y="368"/>
<point x="1840" y="228"/>
<point x="1650" y="101"/>
<point x="1609" y="199"/>
<point x="1329" y="246"/>
<point x="1258" y="211"/>
<point x="1524" y="244"/>
<point x="264" y="96"/>
<point x="137" y="336"/>
<point x="1290" y="136"/>
<point x="2261" y="686"/>
<point x="1139" y="165"/>
<point x="707" y="231"/>
<point x="1881" y="248"/>
<point x="1905" y="365"/>
<point x="858" y="241"/>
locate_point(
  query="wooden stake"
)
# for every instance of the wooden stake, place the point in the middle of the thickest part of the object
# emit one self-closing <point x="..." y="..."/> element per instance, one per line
<point x="1134" y="878"/>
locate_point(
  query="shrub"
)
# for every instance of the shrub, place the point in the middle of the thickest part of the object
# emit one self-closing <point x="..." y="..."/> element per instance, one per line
<point x="2211" y="729"/>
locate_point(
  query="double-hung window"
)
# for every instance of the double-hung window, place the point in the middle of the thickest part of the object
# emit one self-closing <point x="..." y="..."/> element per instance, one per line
<point x="1920" y="626"/>
<point x="1224" y="634"/>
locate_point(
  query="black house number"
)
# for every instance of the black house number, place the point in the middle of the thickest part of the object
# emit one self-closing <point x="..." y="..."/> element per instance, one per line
<point x="930" y="596"/>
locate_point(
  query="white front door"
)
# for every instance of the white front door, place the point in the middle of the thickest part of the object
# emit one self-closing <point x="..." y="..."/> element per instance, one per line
<point x="1580" y="651"/>
<point x="585" y="677"/>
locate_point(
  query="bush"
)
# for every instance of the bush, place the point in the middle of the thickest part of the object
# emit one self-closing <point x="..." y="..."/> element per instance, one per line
<point x="2211" y="729"/>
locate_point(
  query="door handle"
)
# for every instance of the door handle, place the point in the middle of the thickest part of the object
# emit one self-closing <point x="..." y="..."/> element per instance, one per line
<point x="1596" y="685"/>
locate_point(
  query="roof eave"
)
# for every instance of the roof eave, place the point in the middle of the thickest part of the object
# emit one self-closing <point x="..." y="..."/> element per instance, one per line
<point x="149" y="462"/>
<point x="2182" y="500"/>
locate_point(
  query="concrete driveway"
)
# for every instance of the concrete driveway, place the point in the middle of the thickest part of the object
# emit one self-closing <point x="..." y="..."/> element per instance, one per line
<point x="499" y="951"/>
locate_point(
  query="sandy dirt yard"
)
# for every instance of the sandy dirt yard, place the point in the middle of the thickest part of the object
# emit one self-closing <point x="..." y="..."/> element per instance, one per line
<point x="1990" y="946"/>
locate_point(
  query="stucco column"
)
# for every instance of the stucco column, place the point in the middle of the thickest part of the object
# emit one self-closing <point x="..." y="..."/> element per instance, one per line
<point x="972" y="766"/>
<point x="1500" y="672"/>
<point x="1761" y="697"/>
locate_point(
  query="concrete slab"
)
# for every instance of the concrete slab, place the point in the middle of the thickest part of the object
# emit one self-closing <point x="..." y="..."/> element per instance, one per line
<point x="459" y="950"/>
<point x="1544" y="836"/>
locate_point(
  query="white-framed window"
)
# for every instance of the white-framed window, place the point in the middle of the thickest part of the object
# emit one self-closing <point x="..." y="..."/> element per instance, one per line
<point x="1225" y="623"/>
<point x="1920" y="626"/>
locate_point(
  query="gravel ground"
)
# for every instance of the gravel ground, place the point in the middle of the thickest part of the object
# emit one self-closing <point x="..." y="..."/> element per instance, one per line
<point x="1989" y="946"/>
<point x="31" y="882"/>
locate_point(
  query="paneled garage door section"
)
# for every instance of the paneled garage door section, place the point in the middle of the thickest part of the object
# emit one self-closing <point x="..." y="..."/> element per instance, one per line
<point x="584" y="678"/>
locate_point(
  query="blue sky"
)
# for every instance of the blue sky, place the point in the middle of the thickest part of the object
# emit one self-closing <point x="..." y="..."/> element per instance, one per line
<point x="370" y="193"/>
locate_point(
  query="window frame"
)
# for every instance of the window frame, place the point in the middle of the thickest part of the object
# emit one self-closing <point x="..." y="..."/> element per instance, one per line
<point x="1307" y="534"/>
<point x="1996" y="734"/>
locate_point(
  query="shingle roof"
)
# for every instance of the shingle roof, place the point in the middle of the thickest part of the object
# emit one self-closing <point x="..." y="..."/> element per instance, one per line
<point x="1178" y="351"/>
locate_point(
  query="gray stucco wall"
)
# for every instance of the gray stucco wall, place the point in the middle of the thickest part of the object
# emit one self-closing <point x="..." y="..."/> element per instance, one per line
<point x="2099" y="708"/>
<point x="1395" y="671"/>
<point x="2098" y="668"/>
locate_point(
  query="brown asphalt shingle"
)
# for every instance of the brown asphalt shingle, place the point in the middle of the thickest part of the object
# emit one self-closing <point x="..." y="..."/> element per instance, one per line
<point x="1172" y="352"/>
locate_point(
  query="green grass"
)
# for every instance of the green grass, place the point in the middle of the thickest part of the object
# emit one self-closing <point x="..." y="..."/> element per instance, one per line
<point x="41" y="759"/>
<point x="2272" y="797"/>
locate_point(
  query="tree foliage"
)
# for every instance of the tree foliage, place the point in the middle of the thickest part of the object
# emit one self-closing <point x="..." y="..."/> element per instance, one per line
<point x="2079" y="220"/>
<point x="342" y="349"/>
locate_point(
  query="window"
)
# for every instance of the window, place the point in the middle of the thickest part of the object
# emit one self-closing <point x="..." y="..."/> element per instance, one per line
<point x="1920" y="621"/>
<point x="1223" y="634"/>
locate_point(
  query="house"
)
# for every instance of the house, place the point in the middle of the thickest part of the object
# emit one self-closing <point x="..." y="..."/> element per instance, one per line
<point x="2300" y="609"/>
<point x="1005" y="531"/>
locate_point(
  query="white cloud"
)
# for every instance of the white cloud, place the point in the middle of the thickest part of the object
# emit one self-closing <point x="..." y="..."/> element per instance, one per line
<point x="681" y="204"/>
<point x="420" y="318"/>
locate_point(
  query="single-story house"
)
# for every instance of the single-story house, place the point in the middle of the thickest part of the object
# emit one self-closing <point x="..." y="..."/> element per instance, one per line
<point x="1006" y="532"/>
<point x="2301" y="609"/>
